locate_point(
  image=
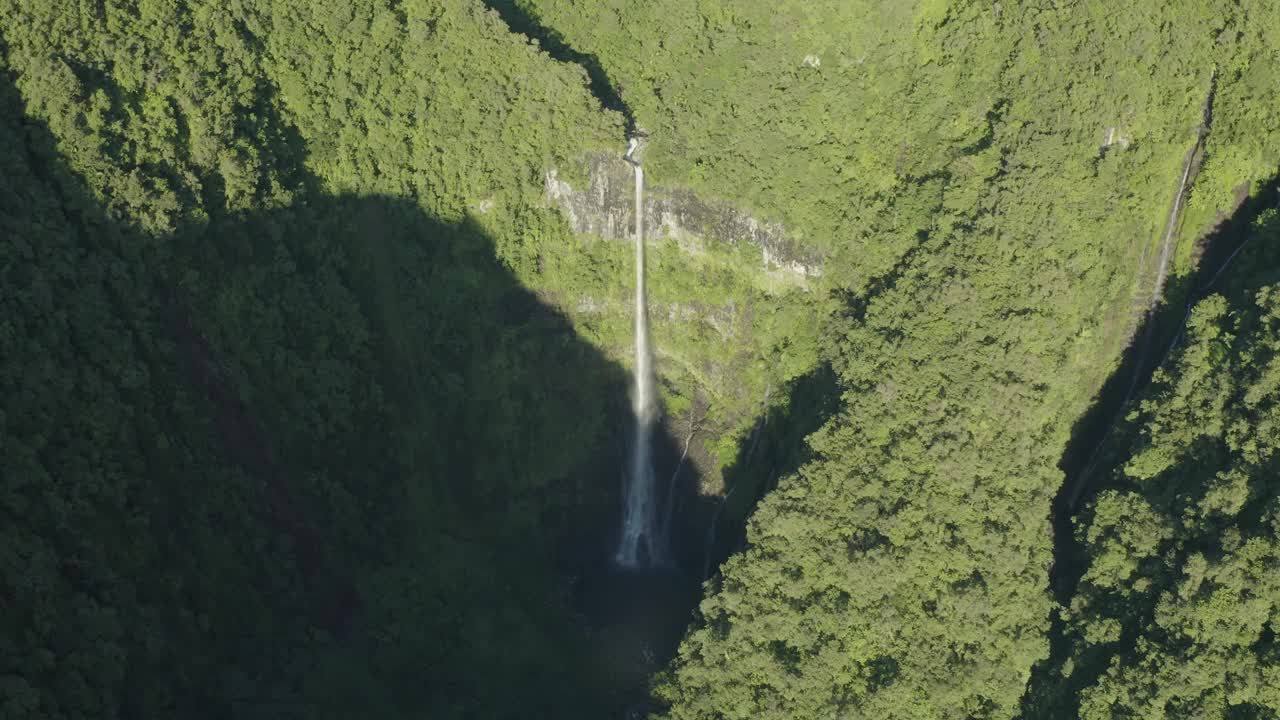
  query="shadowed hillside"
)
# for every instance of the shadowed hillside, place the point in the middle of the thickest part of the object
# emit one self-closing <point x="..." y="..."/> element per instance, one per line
<point x="318" y="461"/>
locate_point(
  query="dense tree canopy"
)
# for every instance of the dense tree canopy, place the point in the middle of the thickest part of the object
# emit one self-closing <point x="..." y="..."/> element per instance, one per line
<point x="308" y="385"/>
<point x="1176" y="608"/>
<point x="991" y="186"/>
<point x="270" y="449"/>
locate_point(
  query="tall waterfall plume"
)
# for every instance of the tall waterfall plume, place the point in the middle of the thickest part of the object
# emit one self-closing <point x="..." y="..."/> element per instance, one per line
<point x="642" y="542"/>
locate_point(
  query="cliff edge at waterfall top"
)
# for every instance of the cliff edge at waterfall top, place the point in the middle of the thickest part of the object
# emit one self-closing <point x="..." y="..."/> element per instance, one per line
<point x="366" y="359"/>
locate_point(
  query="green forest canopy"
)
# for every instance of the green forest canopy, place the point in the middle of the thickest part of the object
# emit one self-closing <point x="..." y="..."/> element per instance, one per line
<point x="298" y="406"/>
<point x="1175" y="611"/>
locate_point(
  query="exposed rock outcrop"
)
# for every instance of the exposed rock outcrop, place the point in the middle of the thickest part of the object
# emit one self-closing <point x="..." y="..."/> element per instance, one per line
<point x="604" y="209"/>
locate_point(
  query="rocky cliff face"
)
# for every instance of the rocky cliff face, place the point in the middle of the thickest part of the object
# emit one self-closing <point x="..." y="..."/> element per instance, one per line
<point x="733" y="301"/>
<point x="603" y="208"/>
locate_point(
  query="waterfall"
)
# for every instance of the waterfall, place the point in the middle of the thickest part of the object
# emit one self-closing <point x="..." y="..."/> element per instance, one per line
<point x="641" y="543"/>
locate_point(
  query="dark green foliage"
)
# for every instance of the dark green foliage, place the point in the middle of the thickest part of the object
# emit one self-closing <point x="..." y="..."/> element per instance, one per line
<point x="290" y="427"/>
<point x="270" y="451"/>
<point x="989" y="185"/>
<point x="1176" y="608"/>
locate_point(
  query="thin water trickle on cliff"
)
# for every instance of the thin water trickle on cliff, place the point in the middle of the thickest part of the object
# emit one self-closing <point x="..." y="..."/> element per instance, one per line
<point x="642" y="543"/>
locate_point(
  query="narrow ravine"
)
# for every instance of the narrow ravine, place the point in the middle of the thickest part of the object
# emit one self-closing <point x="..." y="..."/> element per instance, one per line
<point x="1221" y="248"/>
<point x="521" y="21"/>
<point x="1085" y="461"/>
<point x="1076" y="483"/>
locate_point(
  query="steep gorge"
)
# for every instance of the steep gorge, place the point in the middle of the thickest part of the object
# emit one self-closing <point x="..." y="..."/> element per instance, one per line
<point x="879" y="262"/>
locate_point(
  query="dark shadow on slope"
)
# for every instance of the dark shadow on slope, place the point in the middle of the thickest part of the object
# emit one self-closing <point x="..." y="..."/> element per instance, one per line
<point x="705" y="530"/>
<point x="1098" y="441"/>
<point x="775" y="448"/>
<point x="521" y="19"/>
<point x="354" y="468"/>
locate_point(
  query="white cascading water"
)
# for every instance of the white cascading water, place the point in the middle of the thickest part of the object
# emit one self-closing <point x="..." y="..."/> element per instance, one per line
<point x="641" y="544"/>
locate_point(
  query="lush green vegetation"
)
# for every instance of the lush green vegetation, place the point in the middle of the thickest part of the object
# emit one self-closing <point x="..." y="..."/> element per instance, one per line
<point x="307" y="384"/>
<point x="1176" y="601"/>
<point x="277" y="445"/>
<point x="988" y="258"/>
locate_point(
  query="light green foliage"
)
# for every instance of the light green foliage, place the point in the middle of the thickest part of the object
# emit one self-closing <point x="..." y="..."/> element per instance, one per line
<point x="985" y="250"/>
<point x="425" y="126"/>
<point x="721" y="329"/>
